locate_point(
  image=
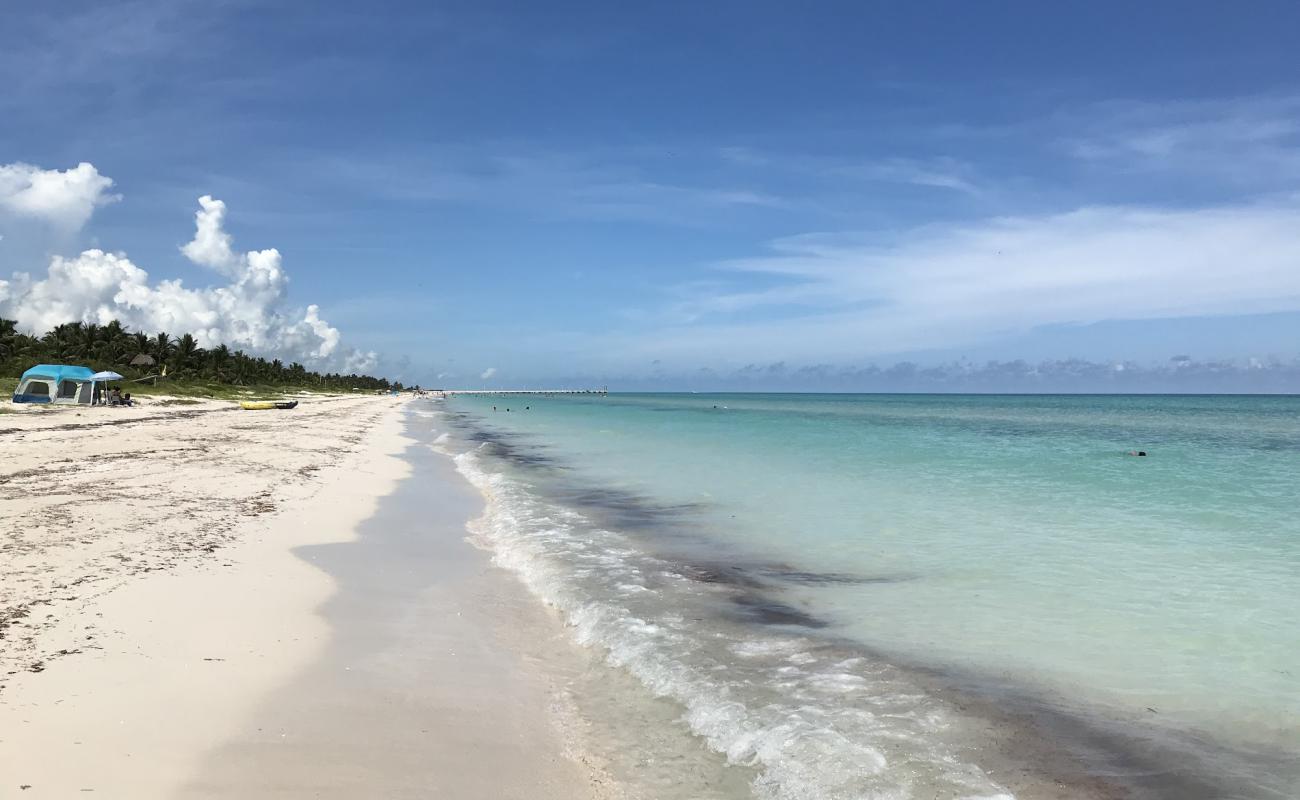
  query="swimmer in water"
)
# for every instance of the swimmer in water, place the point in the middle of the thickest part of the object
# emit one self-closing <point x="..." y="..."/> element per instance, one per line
<point x="1137" y="452"/>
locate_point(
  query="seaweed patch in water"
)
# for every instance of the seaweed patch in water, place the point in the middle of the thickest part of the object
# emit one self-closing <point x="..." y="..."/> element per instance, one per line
<point x="723" y="574"/>
<point x="498" y="445"/>
<point x="759" y="575"/>
<point x="764" y="610"/>
<point x="806" y="577"/>
<point x="625" y="510"/>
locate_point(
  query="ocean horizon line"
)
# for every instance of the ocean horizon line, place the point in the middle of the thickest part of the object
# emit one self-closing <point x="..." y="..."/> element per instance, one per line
<point x="867" y="393"/>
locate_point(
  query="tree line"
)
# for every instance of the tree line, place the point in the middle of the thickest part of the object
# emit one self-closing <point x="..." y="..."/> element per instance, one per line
<point x="113" y="347"/>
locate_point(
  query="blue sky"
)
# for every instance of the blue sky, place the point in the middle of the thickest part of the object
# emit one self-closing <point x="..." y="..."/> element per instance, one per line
<point x="682" y="195"/>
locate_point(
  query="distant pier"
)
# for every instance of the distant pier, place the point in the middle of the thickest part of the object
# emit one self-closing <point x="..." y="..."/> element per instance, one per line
<point x="507" y="392"/>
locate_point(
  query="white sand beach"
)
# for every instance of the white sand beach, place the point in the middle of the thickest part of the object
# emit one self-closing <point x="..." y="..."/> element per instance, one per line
<point x="167" y="629"/>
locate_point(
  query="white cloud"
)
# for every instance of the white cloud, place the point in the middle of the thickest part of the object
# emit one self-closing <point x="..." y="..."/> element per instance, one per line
<point x="248" y="311"/>
<point x="938" y="173"/>
<point x="849" y="296"/>
<point x="488" y="373"/>
<point x="607" y="185"/>
<point x="1252" y="142"/>
<point x="65" y="199"/>
<point x="211" y="245"/>
<point x="360" y="362"/>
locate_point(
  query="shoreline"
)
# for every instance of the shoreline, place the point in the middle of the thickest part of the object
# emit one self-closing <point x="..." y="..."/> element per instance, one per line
<point x="139" y="655"/>
<point x="439" y="679"/>
<point x="343" y="634"/>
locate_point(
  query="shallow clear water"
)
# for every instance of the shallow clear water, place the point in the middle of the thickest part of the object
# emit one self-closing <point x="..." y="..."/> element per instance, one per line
<point x="783" y="564"/>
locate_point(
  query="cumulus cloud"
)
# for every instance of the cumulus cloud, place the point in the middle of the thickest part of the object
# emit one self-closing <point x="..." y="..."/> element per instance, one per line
<point x="488" y="373"/>
<point x="247" y="311"/>
<point x="65" y="199"/>
<point x="211" y="245"/>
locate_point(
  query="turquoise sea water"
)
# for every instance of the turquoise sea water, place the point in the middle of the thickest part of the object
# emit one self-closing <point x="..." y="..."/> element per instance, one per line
<point x="817" y="579"/>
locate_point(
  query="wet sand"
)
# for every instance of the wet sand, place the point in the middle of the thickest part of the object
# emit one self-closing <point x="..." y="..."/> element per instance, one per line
<point x="430" y="685"/>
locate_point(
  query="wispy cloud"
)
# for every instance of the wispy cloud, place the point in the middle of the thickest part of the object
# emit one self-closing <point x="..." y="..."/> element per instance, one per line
<point x="743" y="156"/>
<point x="1251" y="143"/>
<point x="1164" y="129"/>
<point x="937" y="173"/>
<point x="853" y="295"/>
<point x="1053" y="250"/>
<point x="617" y="185"/>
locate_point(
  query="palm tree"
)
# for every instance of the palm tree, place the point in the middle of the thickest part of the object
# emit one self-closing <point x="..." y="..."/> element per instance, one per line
<point x="60" y="341"/>
<point x="243" y="369"/>
<point x="189" y="356"/>
<point x="112" y="331"/>
<point x="114" y="342"/>
<point x="219" y="360"/>
<point x="86" y="341"/>
<point x="27" y="348"/>
<point x="8" y="337"/>
<point x="139" y="343"/>
<point x="161" y="348"/>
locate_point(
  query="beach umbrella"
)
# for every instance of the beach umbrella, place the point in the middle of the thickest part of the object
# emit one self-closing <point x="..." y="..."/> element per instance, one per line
<point x="102" y="377"/>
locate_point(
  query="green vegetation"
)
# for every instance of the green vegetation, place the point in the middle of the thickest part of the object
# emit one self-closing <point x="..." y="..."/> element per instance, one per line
<point x="161" y="364"/>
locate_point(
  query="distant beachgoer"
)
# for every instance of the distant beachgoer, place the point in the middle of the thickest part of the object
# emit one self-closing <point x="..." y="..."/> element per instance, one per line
<point x="126" y="400"/>
<point x="1137" y="452"/>
<point x="114" y="396"/>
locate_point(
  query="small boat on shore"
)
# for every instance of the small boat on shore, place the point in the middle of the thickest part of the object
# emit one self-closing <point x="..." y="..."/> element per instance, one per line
<point x="262" y="405"/>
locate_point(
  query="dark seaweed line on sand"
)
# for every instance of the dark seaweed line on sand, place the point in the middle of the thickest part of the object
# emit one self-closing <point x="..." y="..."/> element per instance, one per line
<point x="132" y="421"/>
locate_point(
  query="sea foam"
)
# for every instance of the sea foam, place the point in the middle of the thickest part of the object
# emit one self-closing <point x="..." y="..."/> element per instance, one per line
<point x="812" y="722"/>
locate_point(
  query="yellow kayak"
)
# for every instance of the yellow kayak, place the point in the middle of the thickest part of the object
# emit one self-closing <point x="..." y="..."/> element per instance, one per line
<point x="262" y="405"/>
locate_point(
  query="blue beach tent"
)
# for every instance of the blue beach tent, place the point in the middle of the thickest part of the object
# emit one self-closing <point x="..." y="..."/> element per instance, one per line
<point x="55" y="383"/>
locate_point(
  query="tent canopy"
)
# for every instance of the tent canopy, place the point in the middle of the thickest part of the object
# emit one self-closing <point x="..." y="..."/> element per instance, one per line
<point x="58" y="373"/>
